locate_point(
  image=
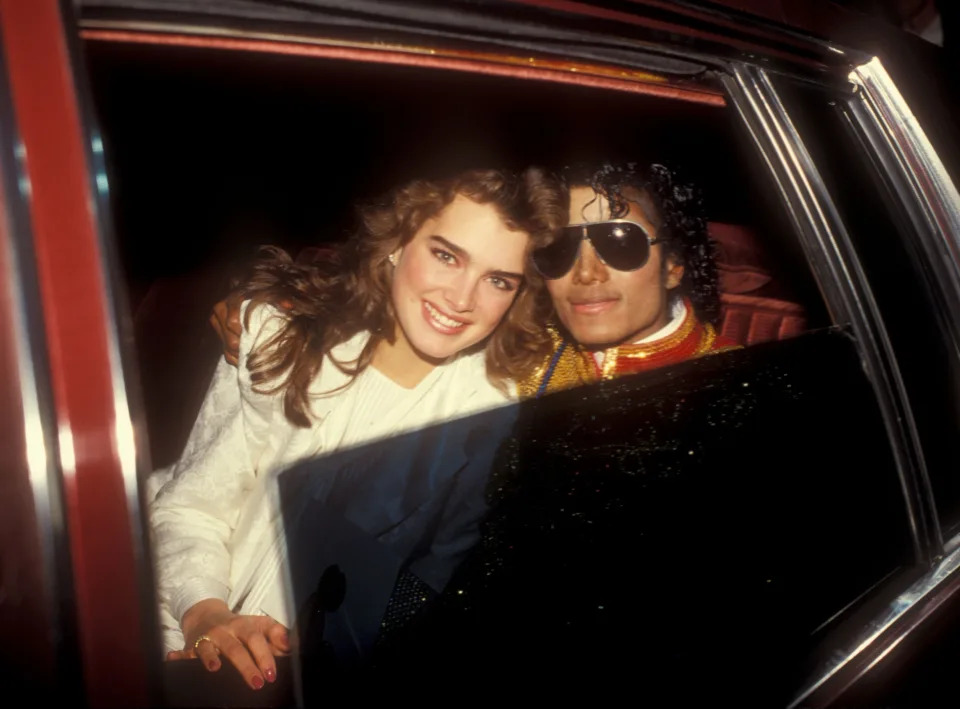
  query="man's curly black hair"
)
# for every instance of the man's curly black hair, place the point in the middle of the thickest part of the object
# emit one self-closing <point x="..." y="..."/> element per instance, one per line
<point x="678" y="216"/>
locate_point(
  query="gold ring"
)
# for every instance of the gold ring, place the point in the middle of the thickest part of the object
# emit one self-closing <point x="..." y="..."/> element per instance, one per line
<point x="201" y="639"/>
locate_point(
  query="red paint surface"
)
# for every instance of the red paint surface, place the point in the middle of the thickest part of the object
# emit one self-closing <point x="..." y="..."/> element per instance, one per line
<point x="72" y="291"/>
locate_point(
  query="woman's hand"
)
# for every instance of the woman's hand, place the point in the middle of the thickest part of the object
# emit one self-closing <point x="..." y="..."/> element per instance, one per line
<point x="249" y="642"/>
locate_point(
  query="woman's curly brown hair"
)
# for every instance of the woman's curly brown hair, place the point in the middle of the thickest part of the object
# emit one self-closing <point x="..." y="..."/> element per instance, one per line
<point x="345" y="290"/>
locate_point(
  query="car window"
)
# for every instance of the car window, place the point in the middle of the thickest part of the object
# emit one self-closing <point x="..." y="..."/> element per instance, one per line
<point x="696" y="514"/>
<point x="213" y="155"/>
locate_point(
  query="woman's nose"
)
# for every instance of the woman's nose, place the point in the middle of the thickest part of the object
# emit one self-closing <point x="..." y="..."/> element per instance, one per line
<point x="588" y="267"/>
<point x="461" y="295"/>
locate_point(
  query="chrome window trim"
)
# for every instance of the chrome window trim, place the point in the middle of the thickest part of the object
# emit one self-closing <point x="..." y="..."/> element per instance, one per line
<point x="880" y="117"/>
<point x="883" y="633"/>
<point x="915" y="173"/>
<point x="849" y="298"/>
<point x="939" y="194"/>
<point x="830" y="252"/>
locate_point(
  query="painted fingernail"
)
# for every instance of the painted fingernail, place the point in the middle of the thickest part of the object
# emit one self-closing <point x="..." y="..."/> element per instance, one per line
<point x="258" y="682"/>
<point x="213" y="665"/>
<point x="270" y="675"/>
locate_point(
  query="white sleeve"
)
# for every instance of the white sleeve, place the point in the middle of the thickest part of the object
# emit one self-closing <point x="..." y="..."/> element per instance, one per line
<point x="195" y="513"/>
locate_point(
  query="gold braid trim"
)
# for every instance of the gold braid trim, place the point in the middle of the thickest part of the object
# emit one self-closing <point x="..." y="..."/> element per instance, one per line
<point x="528" y="385"/>
<point x="706" y="341"/>
<point x="644" y="350"/>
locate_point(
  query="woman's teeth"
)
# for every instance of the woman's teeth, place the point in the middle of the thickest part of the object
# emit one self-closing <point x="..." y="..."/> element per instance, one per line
<point x="441" y="318"/>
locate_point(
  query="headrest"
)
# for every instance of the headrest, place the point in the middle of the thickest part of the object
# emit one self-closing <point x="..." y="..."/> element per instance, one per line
<point x="740" y="262"/>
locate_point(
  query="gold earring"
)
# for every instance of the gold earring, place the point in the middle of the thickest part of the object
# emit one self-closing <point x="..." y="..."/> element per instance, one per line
<point x="392" y="258"/>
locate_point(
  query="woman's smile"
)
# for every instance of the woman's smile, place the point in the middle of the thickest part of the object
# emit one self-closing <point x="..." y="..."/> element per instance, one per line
<point x="441" y="321"/>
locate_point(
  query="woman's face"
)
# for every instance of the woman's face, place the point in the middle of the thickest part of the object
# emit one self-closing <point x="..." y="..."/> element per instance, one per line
<point x="456" y="279"/>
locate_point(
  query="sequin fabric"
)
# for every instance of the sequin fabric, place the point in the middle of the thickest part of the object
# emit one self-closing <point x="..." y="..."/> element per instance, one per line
<point x="689" y="529"/>
<point x="409" y="598"/>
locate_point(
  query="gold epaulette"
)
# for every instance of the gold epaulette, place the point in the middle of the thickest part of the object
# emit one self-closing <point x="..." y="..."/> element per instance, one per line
<point x="528" y="385"/>
<point x="565" y="366"/>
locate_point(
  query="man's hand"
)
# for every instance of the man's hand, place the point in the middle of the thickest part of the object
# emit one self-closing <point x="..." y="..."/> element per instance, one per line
<point x="225" y="321"/>
<point x="249" y="642"/>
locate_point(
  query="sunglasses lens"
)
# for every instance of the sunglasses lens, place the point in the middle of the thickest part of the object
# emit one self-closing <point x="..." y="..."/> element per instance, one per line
<point x="555" y="259"/>
<point x="622" y="245"/>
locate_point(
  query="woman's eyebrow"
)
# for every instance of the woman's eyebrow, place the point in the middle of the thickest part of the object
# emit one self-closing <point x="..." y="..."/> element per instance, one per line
<point x="507" y="274"/>
<point x="464" y="255"/>
<point x="461" y="253"/>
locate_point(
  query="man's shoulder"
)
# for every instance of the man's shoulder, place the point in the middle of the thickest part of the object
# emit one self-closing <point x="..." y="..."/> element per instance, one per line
<point x="560" y="349"/>
<point x="712" y="342"/>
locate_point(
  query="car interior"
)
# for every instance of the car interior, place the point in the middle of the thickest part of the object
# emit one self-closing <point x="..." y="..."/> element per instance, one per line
<point x="213" y="153"/>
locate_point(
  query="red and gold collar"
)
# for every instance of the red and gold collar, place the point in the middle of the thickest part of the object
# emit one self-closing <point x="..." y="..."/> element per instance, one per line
<point x="571" y="365"/>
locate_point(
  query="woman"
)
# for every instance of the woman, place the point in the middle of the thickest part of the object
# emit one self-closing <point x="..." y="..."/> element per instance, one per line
<point x="428" y="314"/>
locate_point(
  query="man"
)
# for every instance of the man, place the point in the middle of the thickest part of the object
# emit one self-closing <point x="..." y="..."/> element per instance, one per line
<point x="631" y="278"/>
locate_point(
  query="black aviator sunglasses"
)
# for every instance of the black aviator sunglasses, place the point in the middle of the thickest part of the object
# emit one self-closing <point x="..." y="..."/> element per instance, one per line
<point x="620" y="244"/>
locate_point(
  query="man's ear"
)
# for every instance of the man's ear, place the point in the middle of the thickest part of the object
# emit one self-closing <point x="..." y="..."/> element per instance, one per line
<point x="674" y="273"/>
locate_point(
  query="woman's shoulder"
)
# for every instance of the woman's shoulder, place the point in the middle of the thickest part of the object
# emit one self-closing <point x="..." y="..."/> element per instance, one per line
<point x="469" y="374"/>
<point x="261" y="322"/>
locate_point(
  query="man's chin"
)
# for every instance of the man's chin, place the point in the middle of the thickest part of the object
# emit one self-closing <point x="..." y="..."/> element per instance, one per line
<point x="599" y="346"/>
<point x="597" y="340"/>
<point x="592" y="335"/>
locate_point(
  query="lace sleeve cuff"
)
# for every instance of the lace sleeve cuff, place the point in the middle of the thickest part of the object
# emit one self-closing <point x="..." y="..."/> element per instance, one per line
<point x="193" y="591"/>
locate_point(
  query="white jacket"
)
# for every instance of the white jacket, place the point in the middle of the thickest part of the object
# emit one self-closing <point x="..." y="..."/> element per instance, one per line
<point x="217" y="528"/>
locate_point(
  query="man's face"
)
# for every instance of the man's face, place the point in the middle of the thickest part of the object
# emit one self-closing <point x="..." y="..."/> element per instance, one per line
<point x="603" y="307"/>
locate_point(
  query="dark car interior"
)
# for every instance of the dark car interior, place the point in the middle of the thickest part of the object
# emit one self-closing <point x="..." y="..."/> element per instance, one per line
<point x="213" y="153"/>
